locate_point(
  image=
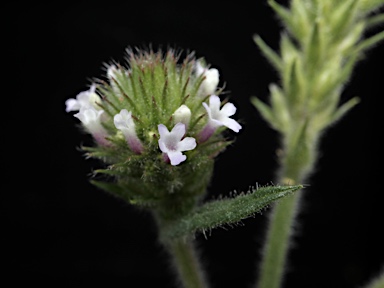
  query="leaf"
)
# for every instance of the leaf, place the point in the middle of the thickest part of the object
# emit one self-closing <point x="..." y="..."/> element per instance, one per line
<point x="227" y="211"/>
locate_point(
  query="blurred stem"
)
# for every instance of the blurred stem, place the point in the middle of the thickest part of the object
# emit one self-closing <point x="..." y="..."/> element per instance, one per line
<point x="186" y="263"/>
<point x="281" y="224"/>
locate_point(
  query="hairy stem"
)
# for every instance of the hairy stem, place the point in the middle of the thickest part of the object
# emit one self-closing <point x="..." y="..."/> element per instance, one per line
<point x="186" y="263"/>
<point x="281" y="222"/>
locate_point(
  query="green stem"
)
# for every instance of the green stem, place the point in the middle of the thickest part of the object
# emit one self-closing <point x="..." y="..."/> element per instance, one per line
<point x="186" y="263"/>
<point x="281" y="222"/>
<point x="277" y="242"/>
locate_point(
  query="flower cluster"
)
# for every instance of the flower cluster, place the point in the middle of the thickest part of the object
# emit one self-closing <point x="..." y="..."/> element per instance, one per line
<point x="159" y="112"/>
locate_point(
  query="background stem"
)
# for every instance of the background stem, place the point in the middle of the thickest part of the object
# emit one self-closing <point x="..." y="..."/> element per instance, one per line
<point x="282" y="219"/>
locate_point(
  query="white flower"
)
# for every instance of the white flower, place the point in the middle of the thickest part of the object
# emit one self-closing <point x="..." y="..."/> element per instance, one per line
<point x="219" y="117"/>
<point x="85" y="99"/>
<point x="182" y="115"/>
<point x="90" y="117"/>
<point x="209" y="84"/>
<point x="171" y="144"/>
<point x="124" y="122"/>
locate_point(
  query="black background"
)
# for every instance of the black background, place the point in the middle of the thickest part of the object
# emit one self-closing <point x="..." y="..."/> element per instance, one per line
<point x="61" y="231"/>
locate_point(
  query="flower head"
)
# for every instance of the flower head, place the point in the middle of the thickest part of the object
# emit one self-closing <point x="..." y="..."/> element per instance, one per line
<point x="85" y="99"/>
<point x="171" y="144"/>
<point x="138" y="103"/>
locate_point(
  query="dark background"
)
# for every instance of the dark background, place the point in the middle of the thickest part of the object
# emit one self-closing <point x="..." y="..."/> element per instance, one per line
<point x="61" y="231"/>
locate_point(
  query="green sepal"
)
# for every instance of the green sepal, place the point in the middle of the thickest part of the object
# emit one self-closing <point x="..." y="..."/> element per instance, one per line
<point x="268" y="52"/>
<point x="283" y="13"/>
<point x="343" y="109"/>
<point x="265" y="112"/>
<point x="343" y="17"/>
<point x="113" y="189"/>
<point x="369" y="42"/>
<point x="227" y="211"/>
<point x="374" y="21"/>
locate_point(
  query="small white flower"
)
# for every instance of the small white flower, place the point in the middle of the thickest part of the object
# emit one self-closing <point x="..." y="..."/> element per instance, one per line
<point x="90" y="117"/>
<point x="171" y="144"/>
<point x="209" y="85"/>
<point x="218" y="117"/>
<point x="85" y="99"/>
<point x="124" y="122"/>
<point x="182" y="115"/>
<point x="221" y="117"/>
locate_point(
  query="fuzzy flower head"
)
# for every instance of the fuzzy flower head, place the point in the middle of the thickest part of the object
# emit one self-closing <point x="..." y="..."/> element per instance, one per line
<point x="153" y="115"/>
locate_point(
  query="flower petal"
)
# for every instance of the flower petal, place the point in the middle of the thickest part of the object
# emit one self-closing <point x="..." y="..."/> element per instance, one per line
<point x="178" y="131"/>
<point x="228" y="109"/>
<point x="176" y="157"/>
<point x="72" y="105"/>
<point x="188" y="143"/>
<point x="214" y="103"/>
<point x="163" y="131"/>
<point x="231" y="124"/>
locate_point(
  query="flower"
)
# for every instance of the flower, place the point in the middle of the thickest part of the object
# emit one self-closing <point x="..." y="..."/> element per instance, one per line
<point x="209" y="84"/>
<point x="183" y="115"/>
<point x="124" y="122"/>
<point x="85" y="99"/>
<point x="90" y="117"/>
<point x="218" y="117"/>
<point x="171" y="144"/>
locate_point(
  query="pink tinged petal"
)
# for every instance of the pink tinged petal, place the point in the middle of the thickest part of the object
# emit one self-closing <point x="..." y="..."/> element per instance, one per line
<point x="100" y="139"/>
<point x="188" y="143"/>
<point x="135" y="145"/>
<point x="228" y="109"/>
<point x="232" y="124"/>
<point x="207" y="131"/>
<point x="176" y="157"/>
